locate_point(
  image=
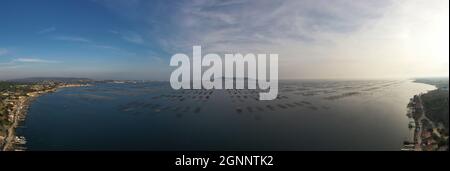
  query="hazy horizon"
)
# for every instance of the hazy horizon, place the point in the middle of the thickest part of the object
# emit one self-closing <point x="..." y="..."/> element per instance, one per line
<point x="134" y="40"/>
<point x="281" y="79"/>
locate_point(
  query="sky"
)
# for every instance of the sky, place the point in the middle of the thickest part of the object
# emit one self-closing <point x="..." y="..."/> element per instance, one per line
<point x="135" y="39"/>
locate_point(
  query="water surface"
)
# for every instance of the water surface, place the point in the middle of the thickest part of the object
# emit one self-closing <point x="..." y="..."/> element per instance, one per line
<point x="307" y="115"/>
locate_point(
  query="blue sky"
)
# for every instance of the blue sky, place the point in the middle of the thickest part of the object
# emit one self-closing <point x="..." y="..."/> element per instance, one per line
<point x="134" y="39"/>
<point x="72" y="38"/>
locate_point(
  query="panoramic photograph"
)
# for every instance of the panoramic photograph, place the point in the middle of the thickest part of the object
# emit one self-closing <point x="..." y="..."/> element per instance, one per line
<point x="224" y="75"/>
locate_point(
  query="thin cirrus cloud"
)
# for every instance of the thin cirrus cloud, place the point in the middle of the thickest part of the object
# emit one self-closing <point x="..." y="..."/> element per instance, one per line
<point x="129" y="36"/>
<point x="73" y="39"/>
<point x="113" y="49"/>
<point x="34" y="60"/>
<point x="106" y="47"/>
<point x="133" y="38"/>
<point x="94" y="44"/>
<point x="315" y="38"/>
<point x="14" y="63"/>
<point x="3" y="51"/>
<point x="241" y="24"/>
<point x="47" y="30"/>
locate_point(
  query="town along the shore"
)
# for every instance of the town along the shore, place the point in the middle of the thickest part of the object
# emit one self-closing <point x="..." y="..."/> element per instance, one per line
<point x="15" y="97"/>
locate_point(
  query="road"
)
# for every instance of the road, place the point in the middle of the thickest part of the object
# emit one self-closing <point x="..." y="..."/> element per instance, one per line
<point x="10" y="136"/>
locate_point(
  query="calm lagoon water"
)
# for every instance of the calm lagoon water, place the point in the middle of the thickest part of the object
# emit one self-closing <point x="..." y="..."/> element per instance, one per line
<point x="308" y="115"/>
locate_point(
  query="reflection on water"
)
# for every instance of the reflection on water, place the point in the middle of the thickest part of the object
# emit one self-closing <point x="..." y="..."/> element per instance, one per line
<point x="307" y="115"/>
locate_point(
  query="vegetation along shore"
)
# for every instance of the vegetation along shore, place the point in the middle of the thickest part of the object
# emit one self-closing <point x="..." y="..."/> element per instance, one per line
<point x="15" y="98"/>
<point x="429" y="118"/>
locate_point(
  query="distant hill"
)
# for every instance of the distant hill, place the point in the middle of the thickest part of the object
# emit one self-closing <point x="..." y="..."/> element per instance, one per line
<point x="440" y="83"/>
<point x="54" y="79"/>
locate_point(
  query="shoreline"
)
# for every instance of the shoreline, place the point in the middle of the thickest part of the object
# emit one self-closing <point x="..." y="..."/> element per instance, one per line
<point x="420" y="124"/>
<point x="14" y="142"/>
<point x="20" y="110"/>
<point x="414" y="124"/>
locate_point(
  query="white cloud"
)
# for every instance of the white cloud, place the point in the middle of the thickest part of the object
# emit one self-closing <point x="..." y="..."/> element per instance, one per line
<point x="315" y="38"/>
<point x="325" y="39"/>
<point x="249" y="25"/>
